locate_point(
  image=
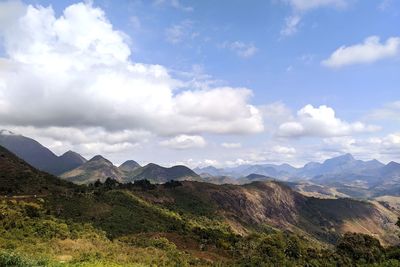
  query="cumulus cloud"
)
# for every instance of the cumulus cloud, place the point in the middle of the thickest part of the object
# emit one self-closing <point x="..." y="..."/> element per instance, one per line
<point x="371" y="50"/>
<point x="88" y="141"/>
<point x="231" y="145"/>
<point x="75" y="71"/>
<point x="385" y="148"/>
<point x="321" y="122"/>
<point x="242" y="49"/>
<point x="184" y="142"/>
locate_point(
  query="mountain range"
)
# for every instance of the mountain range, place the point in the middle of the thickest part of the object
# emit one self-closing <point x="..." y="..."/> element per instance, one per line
<point x="351" y="177"/>
<point x="99" y="168"/>
<point x="244" y="207"/>
<point x="342" y="176"/>
<point x="39" y="156"/>
<point x="73" y="167"/>
<point x="112" y="223"/>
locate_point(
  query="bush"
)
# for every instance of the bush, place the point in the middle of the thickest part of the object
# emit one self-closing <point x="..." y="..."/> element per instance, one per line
<point x="11" y="259"/>
<point x="360" y="248"/>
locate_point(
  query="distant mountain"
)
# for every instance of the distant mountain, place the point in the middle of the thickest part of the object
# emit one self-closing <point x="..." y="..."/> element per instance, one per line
<point x="129" y="166"/>
<point x="97" y="168"/>
<point x="257" y="177"/>
<point x="281" y="171"/>
<point x="158" y="174"/>
<point x="219" y="180"/>
<point x="39" y="156"/>
<point x="254" y="177"/>
<point x="19" y="178"/>
<point x="345" y="164"/>
<point x="391" y="170"/>
<point x="209" y="170"/>
<point x="70" y="160"/>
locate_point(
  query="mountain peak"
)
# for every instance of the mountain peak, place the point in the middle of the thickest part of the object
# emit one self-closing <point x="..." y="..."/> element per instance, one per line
<point x="74" y="156"/>
<point x="70" y="153"/>
<point x="129" y="165"/>
<point x="340" y="159"/>
<point x="393" y="164"/>
<point x="99" y="158"/>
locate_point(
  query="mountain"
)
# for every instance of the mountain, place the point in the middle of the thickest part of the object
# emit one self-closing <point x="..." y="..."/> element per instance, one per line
<point x="248" y="207"/>
<point x="39" y="156"/>
<point x="283" y="170"/>
<point x="158" y="174"/>
<point x="129" y="166"/>
<point x="70" y="160"/>
<point x="209" y="170"/>
<point x="30" y="150"/>
<point x="391" y="170"/>
<point x="190" y="222"/>
<point x="19" y="178"/>
<point x="257" y="177"/>
<point x="345" y="164"/>
<point x="97" y="168"/>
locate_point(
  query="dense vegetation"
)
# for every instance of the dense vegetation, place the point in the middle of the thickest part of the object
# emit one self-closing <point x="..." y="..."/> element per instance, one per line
<point x="47" y="222"/>
<point x="37" y="232"/>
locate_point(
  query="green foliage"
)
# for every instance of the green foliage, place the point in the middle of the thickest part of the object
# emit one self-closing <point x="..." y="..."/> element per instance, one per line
<point x="11" y="259"/>
<point x="360" y="248"/>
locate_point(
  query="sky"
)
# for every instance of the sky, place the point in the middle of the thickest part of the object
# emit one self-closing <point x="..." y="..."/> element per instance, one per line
<point x="203" y="82"/>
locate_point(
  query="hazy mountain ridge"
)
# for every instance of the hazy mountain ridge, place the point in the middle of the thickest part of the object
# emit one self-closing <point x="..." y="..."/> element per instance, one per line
<point x="350" y="177"/>
<point x="39" y="156"/>
<point x="344" y="175"/>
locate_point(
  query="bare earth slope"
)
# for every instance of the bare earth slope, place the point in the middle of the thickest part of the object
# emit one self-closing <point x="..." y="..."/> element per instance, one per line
<point x="265" y="204"/>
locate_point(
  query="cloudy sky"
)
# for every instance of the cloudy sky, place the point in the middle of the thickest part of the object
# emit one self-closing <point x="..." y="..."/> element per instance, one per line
<point x="200" y="82"/>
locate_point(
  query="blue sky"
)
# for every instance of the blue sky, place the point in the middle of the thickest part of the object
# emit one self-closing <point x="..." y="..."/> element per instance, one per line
<point x="281" y="51"/>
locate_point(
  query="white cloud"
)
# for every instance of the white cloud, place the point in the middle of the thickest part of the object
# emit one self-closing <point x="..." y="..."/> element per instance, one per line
<point x="231" y="145"/>
<point x="291" y="25"/>
<point x="242" y="49"/>
<point x="88" y="141"/>
<point x="275" y="114"/>
<point x="385" y="148"/>
<point x="75" y="71"/>
<point x="371" y="50"/>
<point x="184" y="142"/>
<point x="321" y="122"/>
<point x="283" y="150"/>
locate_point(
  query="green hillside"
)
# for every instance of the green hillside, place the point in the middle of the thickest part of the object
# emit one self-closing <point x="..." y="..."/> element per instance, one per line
<point x="45" y="221"/>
